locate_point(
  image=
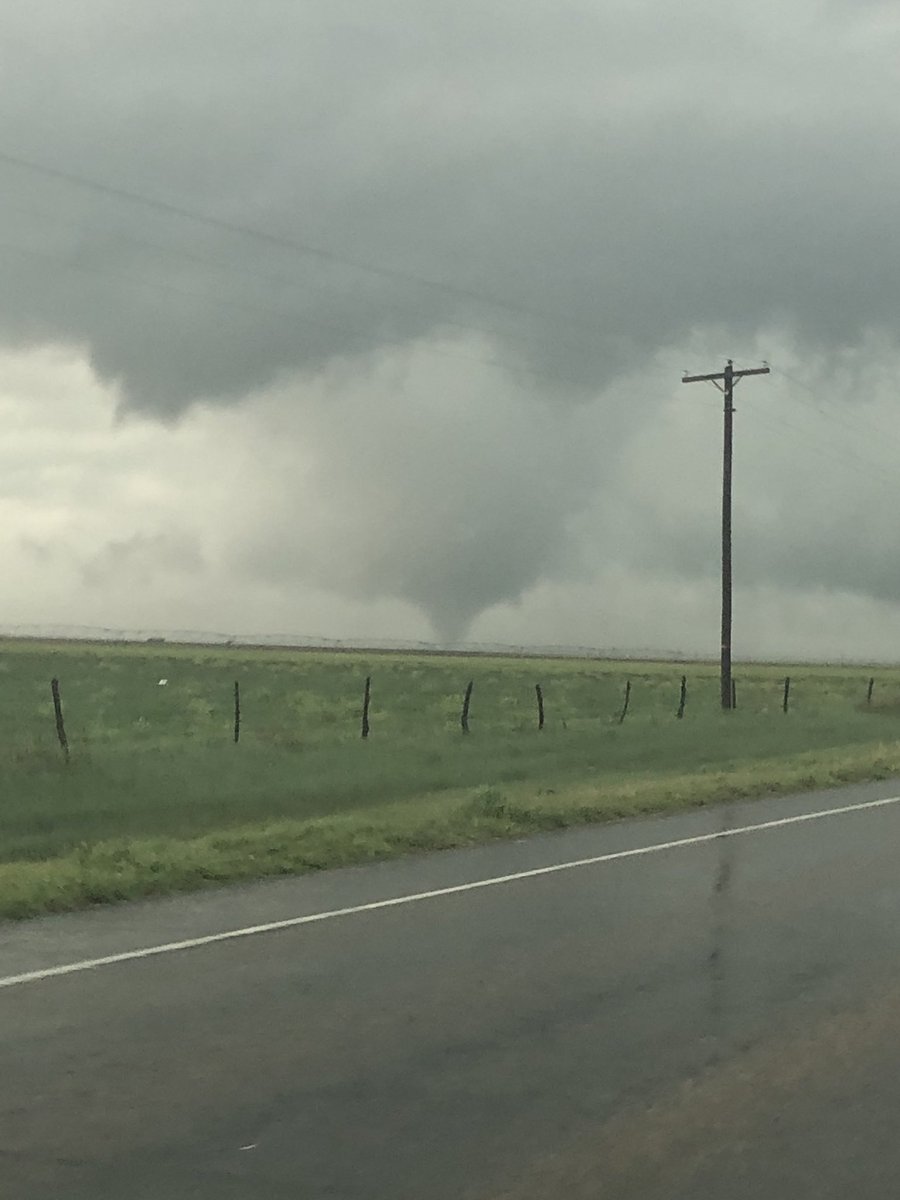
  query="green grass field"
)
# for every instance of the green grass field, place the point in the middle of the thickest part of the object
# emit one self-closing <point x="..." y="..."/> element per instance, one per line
<point x="157" y="797"/>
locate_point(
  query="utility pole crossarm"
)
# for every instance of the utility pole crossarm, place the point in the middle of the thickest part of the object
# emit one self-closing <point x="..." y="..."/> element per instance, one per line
<point x="702" y="378"/>
<point x="752" y="371"/>
<point x="721" y="375"/>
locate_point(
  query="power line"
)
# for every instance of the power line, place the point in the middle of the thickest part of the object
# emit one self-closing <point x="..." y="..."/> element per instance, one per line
<point x="831" y="452"/>
<point x="845" y="454"/>
<point x="284" y="314"/>
<point x="283" y="242"/>
<point x="853" y="425"/>
<point x="285" y="281"/>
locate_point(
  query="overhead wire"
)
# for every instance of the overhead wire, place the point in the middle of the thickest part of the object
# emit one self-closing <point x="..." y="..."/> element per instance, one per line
<point x="301" y="319"/>
<point x="840" y="454"/>
<point x="819" y="443"/>
<point x="856" y="424"/>
<point x="303" y="248"/>
<point x="281" y="280"/>
<point x="829" y="451"/>
<point x="282" y="241"/>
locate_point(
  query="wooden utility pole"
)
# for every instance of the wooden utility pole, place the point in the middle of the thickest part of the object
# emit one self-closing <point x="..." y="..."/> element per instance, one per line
<point x="725" y="382"/>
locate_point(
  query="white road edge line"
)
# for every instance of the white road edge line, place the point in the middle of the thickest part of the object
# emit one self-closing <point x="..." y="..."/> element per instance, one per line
<point x="90" y="964"/>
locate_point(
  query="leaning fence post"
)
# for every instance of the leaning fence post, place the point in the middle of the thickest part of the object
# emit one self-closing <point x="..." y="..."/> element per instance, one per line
<point x="869" y="692"/>
<point x="627" y="699"/>
<point x="237" y="712"/>
<point x="540" y="704"/>
<point x="683" y="698"/>
<point x="58" y="712"/>
<point x="365" y="712"/>
<point x="787" y="693"/>
<point x="467" y="699"/>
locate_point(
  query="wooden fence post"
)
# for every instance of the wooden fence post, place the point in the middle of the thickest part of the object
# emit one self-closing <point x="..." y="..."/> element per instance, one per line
<point x="58" y="713"/>
<point x="237" y="712"/>
<point x="869" y="692"/>
<point x="540" y="704"/>
<point x="787" y="693"/>
<point x="467" y="700"/>
<point x="683" y="698"/>
<point x="365" y="712"/>
<point x="627" y="699"/>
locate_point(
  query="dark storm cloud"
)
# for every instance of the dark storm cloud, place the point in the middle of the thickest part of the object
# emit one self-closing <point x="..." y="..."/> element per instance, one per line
<point x="588" y="162"/>
<point x="563" y="188"/>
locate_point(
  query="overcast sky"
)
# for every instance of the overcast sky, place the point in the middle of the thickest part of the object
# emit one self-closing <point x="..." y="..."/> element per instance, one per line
<point x="368" y="320"/>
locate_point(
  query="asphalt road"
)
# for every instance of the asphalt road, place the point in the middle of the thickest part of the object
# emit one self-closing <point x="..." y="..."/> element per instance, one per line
<point x="716" y="1020"/>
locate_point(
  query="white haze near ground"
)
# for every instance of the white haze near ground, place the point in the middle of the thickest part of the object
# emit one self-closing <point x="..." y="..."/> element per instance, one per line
<point x="206" y="430"/>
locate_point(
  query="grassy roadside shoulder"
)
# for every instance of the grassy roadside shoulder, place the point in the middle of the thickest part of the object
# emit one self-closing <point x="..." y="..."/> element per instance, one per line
<point x="125" y="869"/>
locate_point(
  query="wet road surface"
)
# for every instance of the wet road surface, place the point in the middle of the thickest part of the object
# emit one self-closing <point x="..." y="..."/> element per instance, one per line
<point x="717" y="1020"/>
